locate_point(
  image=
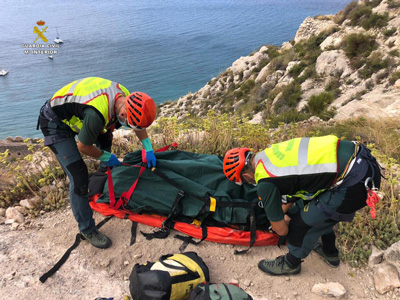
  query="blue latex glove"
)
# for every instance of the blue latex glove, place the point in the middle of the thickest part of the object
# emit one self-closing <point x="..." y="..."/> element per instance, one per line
<point x="151" y="159"/>
<point x="113" y="161"/>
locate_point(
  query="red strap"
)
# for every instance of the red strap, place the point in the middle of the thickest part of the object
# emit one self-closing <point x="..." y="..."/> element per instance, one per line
<point x="125" y="196"/>
<point x="175" y="145"/>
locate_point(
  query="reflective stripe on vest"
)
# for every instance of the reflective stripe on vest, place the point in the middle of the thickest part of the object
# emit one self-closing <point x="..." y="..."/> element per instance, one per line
<point x="91" y="91"/>
<point x="299" y="156"/>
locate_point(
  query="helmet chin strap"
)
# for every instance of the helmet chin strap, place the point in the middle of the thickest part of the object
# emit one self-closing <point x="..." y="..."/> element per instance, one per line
<point x="118" y="111"/>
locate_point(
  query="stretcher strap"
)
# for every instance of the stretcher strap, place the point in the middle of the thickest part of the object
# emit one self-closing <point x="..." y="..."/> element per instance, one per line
<point x="213" y="203"/>
<point x="64" y="258"/>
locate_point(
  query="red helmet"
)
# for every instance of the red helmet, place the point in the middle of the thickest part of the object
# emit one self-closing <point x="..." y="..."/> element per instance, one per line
<point x="234" y="162"/>
<point x="140" y="109"/>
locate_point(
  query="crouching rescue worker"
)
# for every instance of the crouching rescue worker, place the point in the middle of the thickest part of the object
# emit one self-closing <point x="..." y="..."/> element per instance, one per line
<point x="337" y="177"/>
<point x="92" y="108"/>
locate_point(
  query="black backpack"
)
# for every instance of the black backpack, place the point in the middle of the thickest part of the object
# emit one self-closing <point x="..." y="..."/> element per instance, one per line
<point x="172" y="277"/>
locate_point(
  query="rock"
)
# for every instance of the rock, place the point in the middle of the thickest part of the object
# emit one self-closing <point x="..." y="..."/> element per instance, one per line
<point x="290" y="66"/>
<point x="2" y="212"/>
<point x="21" y="209"/>
<point x="334" y="40"/>
<point x="334" y="289"/>
<point x="397" y="84"/>
<point x="9" y="221"/>
<point x="126" y="263"/>
<point x="247" y="283"/>
<point x="18" y="139"/>
<point x="257" y="118"/>
<point x="26" y="203"/>
<point x="234" y="281"/>
<point x="47" y="189"/>
<point x="286" y="46"/>
<point x="392" y="256"/>
<point x="262" y="74"/>
<point x="376" y="257"/>
<point x="105" y="262"/>
<point x="312" y="27"/>
<point x="333" y="63"/>
<point x="386" y="278"/>
<point x="9" y="138"/>
<point x="238" y="104"/>
<point x="15" y="214"/>
<point x="263" y="49"/>
<point x="243" y="62"/>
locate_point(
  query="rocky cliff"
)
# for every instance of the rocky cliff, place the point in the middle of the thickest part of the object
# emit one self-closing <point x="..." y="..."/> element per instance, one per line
<point x="337" y="66"/>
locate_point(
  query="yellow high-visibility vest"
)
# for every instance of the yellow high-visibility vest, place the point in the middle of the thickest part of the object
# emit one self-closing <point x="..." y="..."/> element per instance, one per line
<point x="96" y="92"/>
<point x="299" y="156"/>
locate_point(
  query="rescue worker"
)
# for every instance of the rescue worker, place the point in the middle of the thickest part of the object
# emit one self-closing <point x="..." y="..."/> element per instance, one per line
<point x="92" y="108"/>
<point x="330" y="176"/>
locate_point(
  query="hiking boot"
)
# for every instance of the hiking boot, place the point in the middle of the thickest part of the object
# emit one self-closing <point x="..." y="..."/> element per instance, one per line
<point x="279" y="266"/>
<point x="97" y="239"/>
<point x="331" y="260"/>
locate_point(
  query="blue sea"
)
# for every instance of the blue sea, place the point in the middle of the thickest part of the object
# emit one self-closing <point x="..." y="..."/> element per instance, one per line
<point x="165" y="48"/>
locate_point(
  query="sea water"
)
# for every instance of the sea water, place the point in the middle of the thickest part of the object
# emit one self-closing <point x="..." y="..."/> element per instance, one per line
<point x="165" y="48"/>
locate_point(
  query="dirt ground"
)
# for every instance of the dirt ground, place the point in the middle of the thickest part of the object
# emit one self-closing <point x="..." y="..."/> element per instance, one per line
<point x="30" y="250"/>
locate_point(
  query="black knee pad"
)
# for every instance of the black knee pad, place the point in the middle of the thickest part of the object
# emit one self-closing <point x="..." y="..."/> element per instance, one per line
<point x="79" y="172"/>
<point x="297" y="230"/>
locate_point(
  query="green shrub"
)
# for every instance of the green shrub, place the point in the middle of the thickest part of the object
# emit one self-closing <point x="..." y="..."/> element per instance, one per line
<point x="297" y="69"/>
<point x="359" y="14"/>
<point x="272" y="51"/>
<point x="375" y="21"/>
<point x="247" y="86"/>
<point x="280" y="62"/>
<point x="318" y="103"/>
<point x="393" y="3"/>
<point x="394" y="53"/>
<point x="374" y="64"/>
<point x="309" y="50"/>
<point x="343" y="15"/>
<point x="333" y="87"/>
<point x="358" y="44"/>
<point x="288" y="116"/>
<point x="390" y="31"/>
<point x="394" y="77"/>
<point x="309" y="72"/>
<point x="291" y="94"/>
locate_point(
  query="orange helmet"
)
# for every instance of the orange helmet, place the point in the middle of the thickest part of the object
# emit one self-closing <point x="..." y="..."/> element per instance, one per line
<point x="140" y="109"/>
<point x="234" y="162"/>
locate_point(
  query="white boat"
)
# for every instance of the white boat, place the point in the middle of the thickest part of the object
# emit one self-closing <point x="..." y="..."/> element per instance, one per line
<point x="50" y="56"/>
<point x="3" y="72"/>
<point x="58" y="40"/>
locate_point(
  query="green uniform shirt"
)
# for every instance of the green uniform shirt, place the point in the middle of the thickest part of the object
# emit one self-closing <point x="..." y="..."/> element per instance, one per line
<point x="92" y="127"/>
<point x="270" y="195"/>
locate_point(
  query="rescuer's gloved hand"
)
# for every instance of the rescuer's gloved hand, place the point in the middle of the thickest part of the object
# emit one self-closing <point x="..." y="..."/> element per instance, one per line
<point x="110" y="159"/>
<point x="151" y="159"/>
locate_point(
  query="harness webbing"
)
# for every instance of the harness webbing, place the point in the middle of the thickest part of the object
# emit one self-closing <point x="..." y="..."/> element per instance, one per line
<point x="66" y="255"/>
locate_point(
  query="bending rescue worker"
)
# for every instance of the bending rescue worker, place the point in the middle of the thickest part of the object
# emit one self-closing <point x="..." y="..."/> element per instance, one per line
<point x="330" y="176"/>
<point x="92" y="108"/>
